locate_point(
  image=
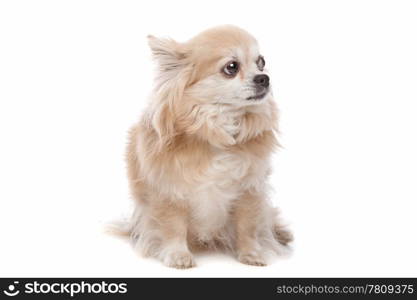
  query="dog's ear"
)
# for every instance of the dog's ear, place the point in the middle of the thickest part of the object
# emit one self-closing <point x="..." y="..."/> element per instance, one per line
<point x="169" y="54"/>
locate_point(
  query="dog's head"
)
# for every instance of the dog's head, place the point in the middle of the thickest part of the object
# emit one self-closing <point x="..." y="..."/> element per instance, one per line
<point x="221" y="65"/>
<point x="206" y="80"/>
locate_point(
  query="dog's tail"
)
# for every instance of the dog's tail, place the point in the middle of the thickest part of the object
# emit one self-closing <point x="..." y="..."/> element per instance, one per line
<point x="121" y="229"/>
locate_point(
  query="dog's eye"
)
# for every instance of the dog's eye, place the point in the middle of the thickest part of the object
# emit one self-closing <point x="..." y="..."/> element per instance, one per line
<point x="231" y="68"/>
<point x="261" y="63"/>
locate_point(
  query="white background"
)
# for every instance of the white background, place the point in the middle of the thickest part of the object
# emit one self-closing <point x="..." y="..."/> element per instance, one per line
<point x="74" y="76"/>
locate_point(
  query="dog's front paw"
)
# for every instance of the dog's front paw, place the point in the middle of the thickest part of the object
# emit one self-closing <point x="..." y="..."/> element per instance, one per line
<point x="251" y="258"/>
<point x="179" y="260"/>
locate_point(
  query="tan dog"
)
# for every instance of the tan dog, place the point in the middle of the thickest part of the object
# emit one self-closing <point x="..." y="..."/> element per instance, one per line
<point x="198" y="160"/>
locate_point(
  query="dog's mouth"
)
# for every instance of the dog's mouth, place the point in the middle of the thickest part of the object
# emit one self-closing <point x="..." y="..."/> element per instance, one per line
<point x="257" y="96"/>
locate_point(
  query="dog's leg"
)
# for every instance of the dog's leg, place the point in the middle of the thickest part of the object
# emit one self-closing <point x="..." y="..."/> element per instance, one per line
<point x="247" y="214"/>
<point x="172" y="221"/>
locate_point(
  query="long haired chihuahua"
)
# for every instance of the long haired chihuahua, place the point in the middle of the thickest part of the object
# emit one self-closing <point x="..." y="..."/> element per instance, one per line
<point x="198" y="159"/>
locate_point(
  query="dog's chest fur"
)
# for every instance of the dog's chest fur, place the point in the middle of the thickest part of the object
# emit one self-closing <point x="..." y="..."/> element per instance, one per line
<point x="212" y="200"/>
<point x="229" y="173"/>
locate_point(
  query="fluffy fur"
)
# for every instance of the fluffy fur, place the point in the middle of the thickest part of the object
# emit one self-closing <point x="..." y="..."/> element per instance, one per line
<point x="198" y="159"/>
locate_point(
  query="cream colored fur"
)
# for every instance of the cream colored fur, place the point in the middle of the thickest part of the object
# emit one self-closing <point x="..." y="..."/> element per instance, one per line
<point x="198" y="159"/>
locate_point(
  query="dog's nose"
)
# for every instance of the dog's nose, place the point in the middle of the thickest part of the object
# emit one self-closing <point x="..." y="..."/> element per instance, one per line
<point x="261" y="80"/>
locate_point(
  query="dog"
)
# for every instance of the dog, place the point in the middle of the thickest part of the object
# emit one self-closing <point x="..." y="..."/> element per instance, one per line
<point x="198" y="159"/>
